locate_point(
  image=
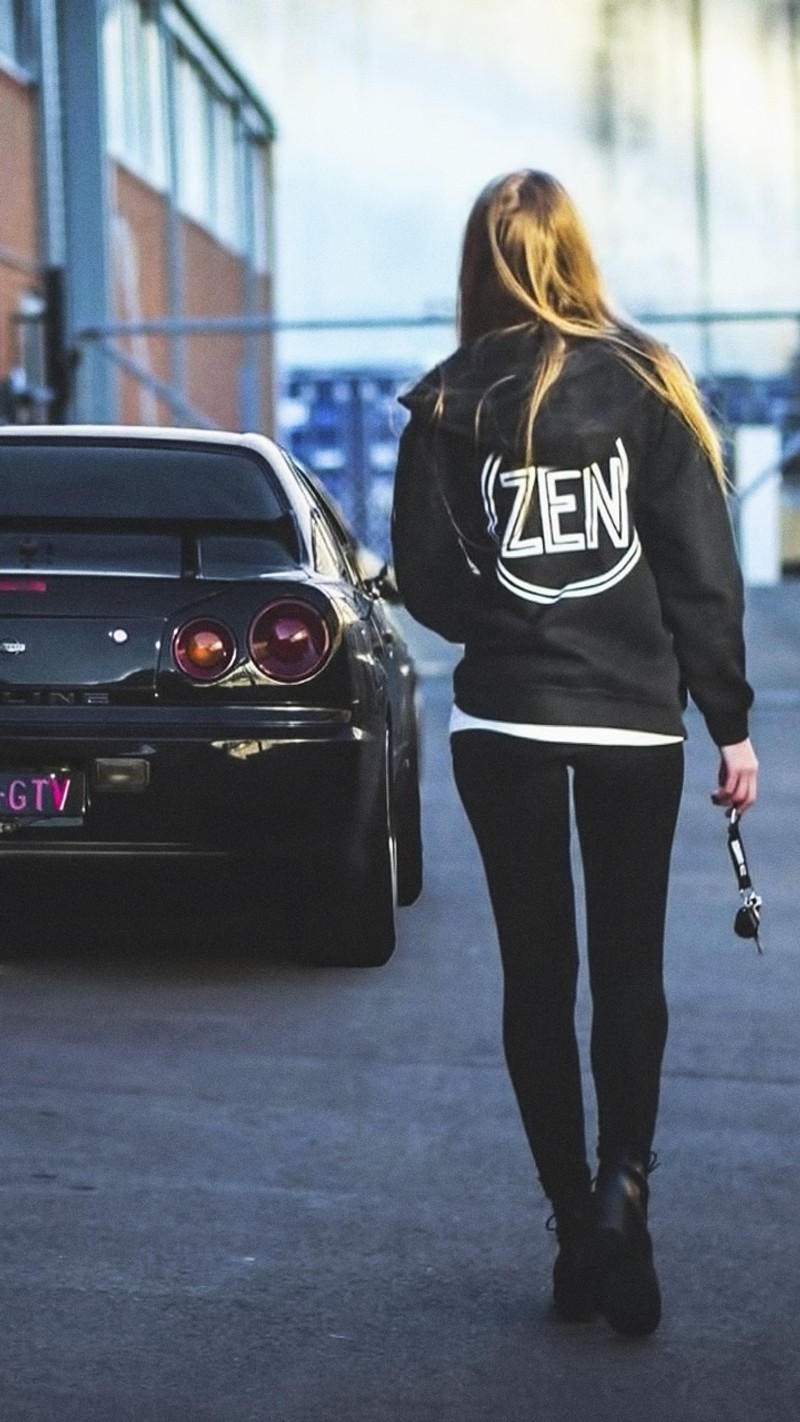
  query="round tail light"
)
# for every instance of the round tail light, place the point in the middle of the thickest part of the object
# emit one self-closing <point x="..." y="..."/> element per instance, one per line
<point x="289" y="641"/>
<point x="204" y="650"/>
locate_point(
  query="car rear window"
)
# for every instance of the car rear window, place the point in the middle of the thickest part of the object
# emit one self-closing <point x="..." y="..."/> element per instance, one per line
<point x="146" y="481"/>
<point x="79" y="507"/>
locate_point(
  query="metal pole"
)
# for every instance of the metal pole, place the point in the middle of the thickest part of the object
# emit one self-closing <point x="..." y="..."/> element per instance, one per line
<point x="188" y="413"/>
<point x="59" y="364"/>
<point x="50" y="120"/>
<point x="86" y="206"/>
<point x="175" y="259"/>
<point x="794" y="61"/>
<point x="234" y="325"/>
<point x="700" y="155"/>
<point x="758" y="481"/>
<point x="249" y="394"/>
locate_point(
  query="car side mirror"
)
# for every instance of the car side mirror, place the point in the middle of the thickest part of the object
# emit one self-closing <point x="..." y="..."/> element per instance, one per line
<point x="383" y="584"/>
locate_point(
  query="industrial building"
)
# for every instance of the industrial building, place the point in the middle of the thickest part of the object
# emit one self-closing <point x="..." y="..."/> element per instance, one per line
<point x="137" y="189"/>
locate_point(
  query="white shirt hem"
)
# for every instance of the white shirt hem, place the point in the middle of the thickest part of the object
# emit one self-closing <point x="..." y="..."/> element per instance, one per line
<point x="572" y="735"/>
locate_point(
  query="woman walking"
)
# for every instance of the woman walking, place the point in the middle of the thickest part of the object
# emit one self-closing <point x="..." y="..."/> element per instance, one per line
<point x="559" y="510"/>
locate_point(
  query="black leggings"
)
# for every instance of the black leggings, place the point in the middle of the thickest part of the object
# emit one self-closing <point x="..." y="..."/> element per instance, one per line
<point x="516" y="795"/>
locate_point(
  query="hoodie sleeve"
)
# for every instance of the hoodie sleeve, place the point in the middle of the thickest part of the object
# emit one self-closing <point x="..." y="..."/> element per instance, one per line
<point x="687" y="540"/>
<point x="437" y="582"/>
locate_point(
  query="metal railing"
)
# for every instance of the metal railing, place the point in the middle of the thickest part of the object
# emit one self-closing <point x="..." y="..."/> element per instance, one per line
<point x="105" y="339"/>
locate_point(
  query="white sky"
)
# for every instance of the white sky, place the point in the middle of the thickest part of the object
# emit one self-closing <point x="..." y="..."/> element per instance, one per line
<point x="392" y="114"/>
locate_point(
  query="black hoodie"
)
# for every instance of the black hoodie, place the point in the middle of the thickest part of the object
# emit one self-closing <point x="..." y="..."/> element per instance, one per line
<point x="591" y="589"/>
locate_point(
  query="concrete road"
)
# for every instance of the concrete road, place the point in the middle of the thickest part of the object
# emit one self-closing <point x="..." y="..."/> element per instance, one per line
<point x="237" y="1191"/>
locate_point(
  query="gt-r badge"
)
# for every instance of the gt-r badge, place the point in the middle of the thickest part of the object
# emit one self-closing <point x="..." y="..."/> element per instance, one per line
<point x="10" y="648"/>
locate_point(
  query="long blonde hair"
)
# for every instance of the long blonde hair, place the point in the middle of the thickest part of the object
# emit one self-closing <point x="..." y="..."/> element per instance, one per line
<point x="527" y="258"/>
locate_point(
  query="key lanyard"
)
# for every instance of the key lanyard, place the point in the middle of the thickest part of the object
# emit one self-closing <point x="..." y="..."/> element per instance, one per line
<point x="748" y="917"/>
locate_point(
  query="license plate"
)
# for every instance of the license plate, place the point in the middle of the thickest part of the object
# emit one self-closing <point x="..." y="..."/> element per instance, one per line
<point x="37" y="796"/>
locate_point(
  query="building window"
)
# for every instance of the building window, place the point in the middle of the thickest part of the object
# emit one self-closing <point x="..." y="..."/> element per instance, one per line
<point x="260" y="186"/>
<point x="209" y="149"/>
<point x="226" y="213"/>
<point x="16" y="32"/>
<point x="219" y="138"/>
<point x="193" y="141"/>
<point x="134" y="88"/>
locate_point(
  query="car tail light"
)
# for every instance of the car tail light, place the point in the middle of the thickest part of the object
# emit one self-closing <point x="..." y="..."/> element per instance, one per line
<point x="289" y="640"/>
<point x="32" y="585"/>
<point x="204" y="650"/>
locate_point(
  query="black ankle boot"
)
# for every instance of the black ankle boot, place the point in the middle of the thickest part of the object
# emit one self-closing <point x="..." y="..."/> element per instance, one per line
<point x="628" y="1294"/>
<point x="575" y="1269"/>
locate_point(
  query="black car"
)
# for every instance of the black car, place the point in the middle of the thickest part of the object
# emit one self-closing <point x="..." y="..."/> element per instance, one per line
<point x="193" y="663"/>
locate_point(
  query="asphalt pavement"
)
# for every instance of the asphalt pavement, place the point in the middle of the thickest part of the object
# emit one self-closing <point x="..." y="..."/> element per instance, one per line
<point x="235" y="1190"/>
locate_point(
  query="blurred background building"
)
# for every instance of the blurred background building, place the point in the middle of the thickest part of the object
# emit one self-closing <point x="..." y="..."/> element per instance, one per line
<point x="136" y="188"/>
<point x="674" y="123"/>
<point x="137" y="279"/>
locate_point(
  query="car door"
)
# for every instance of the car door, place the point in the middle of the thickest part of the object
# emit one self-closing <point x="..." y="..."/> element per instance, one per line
<point x="368" y="576"/>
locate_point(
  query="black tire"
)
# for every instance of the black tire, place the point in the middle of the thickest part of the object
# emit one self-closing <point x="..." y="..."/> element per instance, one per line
<point x="408" y="832"/>
<point x="353" y="920"/>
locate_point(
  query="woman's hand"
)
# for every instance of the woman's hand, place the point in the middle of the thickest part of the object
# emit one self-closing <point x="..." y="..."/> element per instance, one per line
<point x="738" y="776"/>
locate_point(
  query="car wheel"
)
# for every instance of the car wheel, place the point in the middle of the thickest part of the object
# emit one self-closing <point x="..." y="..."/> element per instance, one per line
<point x="408" y="831"/>
<point x="354" y="920"/>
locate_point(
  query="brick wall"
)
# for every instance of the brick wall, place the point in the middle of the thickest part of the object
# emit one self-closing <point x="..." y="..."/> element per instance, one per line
<point x="213" y="285"/>
<point x="19" y="207"/>
<point x="139" y="246"/>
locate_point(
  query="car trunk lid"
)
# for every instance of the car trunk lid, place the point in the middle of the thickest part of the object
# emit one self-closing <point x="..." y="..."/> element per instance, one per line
<point x="99" y="652"/>
<point x="72" y="631"/>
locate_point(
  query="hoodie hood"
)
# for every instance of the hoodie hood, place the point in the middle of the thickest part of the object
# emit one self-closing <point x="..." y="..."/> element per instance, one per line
<point x="481" y="391"/>
<point x="483" y="384"/>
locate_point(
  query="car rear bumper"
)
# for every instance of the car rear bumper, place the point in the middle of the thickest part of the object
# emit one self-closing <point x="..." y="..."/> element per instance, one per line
<point x="244" y="784"/>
